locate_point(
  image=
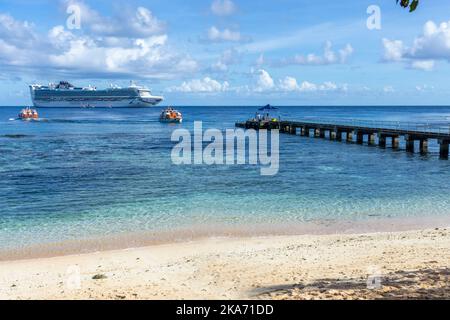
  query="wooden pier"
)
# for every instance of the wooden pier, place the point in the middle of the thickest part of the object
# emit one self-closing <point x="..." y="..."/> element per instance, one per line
<point x="356" y="130"/>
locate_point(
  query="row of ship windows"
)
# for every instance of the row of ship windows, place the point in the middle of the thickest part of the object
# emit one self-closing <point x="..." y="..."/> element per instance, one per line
<point x="81" y="99"/>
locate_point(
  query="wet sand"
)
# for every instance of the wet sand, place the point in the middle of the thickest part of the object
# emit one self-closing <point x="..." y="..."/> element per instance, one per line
<point x="396" y="265"/>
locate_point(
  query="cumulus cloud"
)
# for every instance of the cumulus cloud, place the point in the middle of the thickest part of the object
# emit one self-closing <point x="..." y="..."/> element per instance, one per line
<point x="205" y="85"/>
<point x="329" y="56"/>
<point x="426" y="65"/>
<point x="107" y="51"/>
<point x="432" y="45"/>
<point x="223" y="7"/>
<point x="216" y="35"/>
<point x="393" y="50"/>
<point x="265" y="82"/>
<point x="288" y="84"/>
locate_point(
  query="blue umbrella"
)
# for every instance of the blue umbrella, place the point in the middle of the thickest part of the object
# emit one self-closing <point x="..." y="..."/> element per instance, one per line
<point x="267" y="108"/>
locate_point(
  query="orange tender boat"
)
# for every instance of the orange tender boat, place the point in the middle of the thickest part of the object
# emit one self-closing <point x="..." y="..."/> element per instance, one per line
<point x="28" y="114"/>
<point x="171" y="115"/>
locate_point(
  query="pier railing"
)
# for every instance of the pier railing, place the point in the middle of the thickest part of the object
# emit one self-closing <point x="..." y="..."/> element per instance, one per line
<point x="442" y="128"/>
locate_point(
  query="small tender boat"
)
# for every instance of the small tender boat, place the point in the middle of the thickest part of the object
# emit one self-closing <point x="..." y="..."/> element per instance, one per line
<point x="28" y="114"/>
<point x="171" y="115"/>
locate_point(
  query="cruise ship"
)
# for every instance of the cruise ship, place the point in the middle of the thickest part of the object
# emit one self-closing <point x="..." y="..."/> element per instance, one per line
<point x="64" y="94"/>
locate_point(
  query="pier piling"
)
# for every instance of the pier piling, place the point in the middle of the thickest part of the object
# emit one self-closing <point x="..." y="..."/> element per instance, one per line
<point x="381" y="141"/>
<point x="423" y="146"/>
<point x="317" y="133"/>
<point x="332" y="135"/>
<point x="349" y="136"/>
<point x="395" y="142"/>
<point x="304" y="131"/>
<point x="371" y="139"/>
<point x="443" y="148"/>
<point x="409" y="143"/>
<point x="359" y="137"/>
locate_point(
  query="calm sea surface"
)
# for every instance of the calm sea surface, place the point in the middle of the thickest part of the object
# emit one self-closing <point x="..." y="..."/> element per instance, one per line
<point x="102" y="172"/>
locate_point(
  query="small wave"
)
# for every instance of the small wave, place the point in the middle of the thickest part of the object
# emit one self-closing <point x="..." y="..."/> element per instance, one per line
<point x="16" y="136"/>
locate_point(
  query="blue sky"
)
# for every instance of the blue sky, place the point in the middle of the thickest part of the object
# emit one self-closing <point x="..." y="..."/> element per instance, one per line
<point x="231" y="52"/>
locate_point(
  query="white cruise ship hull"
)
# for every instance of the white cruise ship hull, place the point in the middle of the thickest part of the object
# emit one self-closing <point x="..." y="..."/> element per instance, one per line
<point x="130" y="103"/>
<point x="65" y="95"/>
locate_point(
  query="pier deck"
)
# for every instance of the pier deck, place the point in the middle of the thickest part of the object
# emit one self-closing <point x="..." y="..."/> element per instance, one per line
<point x="383" y="130"/>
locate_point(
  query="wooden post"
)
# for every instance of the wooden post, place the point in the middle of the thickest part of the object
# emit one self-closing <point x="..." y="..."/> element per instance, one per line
<point x="395" y="142"/>
<point x="409" y="143"/>
<point x="338" y="135"/>
<point x="381" y="141"/>
<point x="322" y="133"/>
<point x="423" y="146"/>
<point x="293" y="129"/>
<point x="332" y="135"/>
<point x="349" y="136"/>
<point x="371" y="138"/>
<point x="359" y="137"/>
<point x="305" y="131"/>
<point x="317" y="133"/>
<point x="443" y="149"/>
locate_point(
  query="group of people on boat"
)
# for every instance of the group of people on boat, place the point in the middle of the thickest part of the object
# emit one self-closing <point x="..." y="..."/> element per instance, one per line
<point x="28" y="114"/>
<point x="171" y="115"/>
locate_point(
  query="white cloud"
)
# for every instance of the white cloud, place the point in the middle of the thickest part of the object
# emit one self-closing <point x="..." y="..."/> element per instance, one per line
<point x="329" y="56"/>
<point x="62" y="52"/>
<point x="205" y="85"/>
<point x="426" y="65"/>
<point x="16" y="32"/>
<point x="388" y="89"/>
<point x="223" y="7"/>
<point x="393" y="50"/>
<point x="422" y="88"/>
<point x="216" y="35"/>
<point x="432" y="45"/>
<point x="288" y="84"/>
<point x="264" y="81"/>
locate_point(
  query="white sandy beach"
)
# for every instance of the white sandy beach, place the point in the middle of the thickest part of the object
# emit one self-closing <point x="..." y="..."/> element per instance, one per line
<point x="412" y="264"/>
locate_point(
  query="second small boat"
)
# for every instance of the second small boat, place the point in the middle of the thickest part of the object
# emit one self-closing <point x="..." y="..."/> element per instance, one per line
<point x="171" y="115"/>
<point x="28" y="114"/>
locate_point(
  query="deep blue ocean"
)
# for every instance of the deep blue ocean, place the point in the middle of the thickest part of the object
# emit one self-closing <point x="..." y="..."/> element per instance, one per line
<point x="83" y="173"/>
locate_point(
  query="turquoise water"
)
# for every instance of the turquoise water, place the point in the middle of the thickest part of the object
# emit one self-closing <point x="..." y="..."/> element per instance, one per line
<point x="97" y="172"/>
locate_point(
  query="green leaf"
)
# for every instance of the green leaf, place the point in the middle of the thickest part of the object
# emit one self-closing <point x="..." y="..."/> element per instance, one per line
<point x="404" y="3"/>
<point x="413" y="5"/>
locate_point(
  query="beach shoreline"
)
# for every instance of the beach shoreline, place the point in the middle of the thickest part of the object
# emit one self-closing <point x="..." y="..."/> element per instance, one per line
<point x="197" y="233"/>
<point x="409" y="264"/>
